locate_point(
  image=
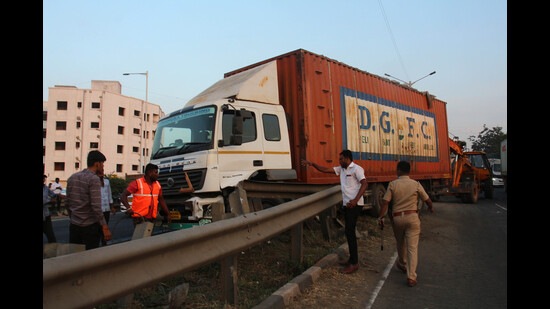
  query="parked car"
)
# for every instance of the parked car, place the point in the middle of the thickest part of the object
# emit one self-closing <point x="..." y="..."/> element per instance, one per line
<point x="497" y="177"/>
<point x="122" y="207"/>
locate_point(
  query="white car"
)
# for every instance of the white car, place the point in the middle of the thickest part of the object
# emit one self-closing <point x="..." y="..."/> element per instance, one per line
<point x="497" y="178"/>
<point x="497" y="181"/>
<point x="122" y="207"/>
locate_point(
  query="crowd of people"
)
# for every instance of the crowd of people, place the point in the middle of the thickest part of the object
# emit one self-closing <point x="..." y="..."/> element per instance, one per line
<point x="89" y="203"/>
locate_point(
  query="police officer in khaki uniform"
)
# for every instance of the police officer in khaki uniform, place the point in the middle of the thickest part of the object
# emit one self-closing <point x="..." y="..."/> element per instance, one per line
<point x="404" y="192"/>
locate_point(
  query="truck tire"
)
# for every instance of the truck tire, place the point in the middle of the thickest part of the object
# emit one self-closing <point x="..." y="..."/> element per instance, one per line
<point x="472" y="196"/>
<point x="377" y="193"/>
<point x="489" y="190"/>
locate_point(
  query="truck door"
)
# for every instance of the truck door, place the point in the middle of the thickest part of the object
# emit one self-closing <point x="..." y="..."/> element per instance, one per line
<point x="276" y="144"/>
<point x="239" y="155"/>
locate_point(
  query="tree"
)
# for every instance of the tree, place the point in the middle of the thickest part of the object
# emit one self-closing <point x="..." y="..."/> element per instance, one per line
<point x="117" y="185"/>
<point x="488" y="140"/>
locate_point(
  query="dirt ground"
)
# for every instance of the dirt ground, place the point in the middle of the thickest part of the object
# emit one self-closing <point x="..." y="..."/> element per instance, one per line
<point x="336" y="290"/>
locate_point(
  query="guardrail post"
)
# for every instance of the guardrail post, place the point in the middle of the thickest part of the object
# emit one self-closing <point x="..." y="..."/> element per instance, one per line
<point x="325" y="218"/>
<point x="141" y="230"/>
<point x="296" y="243"/>
<point x="229" y="279"/>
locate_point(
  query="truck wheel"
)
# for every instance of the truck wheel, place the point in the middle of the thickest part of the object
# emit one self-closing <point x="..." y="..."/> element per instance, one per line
<point x="489" y="191"/>
<point x="473" y="195"/>
<point x="377" y="193"/>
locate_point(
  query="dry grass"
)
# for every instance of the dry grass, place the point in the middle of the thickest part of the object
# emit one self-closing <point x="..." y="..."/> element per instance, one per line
<point x="263" y="269"/>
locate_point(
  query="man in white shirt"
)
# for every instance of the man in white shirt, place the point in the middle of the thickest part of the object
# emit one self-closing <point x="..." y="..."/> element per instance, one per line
<point x="353" y="184"/>
<point x="56" y="188"/>
<point x="107" y="205"/>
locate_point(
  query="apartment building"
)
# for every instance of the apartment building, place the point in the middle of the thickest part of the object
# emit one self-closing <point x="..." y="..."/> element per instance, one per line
<point x="76" y="121"/>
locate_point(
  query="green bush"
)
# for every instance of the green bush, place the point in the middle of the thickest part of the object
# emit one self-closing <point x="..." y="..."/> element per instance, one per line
<point x="118" y="185"/>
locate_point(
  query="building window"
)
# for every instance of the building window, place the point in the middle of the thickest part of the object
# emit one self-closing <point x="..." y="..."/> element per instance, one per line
<point x="77" y="145"/>
<point x="61" y="105"/>
<point x="121" y="111"/>
<point x="44" y="115"/>
<point x="94" y="145"/>
<point x="120" y="130"/>
<point x="77" y="165"/>
<point x="96" y="105"/>
<point x="78" y="124"/>
<point x="79" y="104"/>
<point x="119" y="149"/>
<point x="134" y="167"/>
<point x="94" y="125"/>
<point x="59" y="166"/>
<point x="43" y="150"/>
<point x="59" y="145"/>
<point x="135" y="149"/>
<point x="43" y="133"/>
<point x="136" y="112"/>
<point x="119" y="168"/>
<point x="61" y="125"/>
<point x="136" y="131"/>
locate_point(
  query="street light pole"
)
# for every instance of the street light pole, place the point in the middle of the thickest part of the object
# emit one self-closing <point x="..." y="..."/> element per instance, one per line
<point x="409" y="83"/>
<point x="144" y="118"/>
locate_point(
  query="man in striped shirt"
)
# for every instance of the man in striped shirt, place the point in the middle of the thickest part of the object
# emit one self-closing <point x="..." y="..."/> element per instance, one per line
<point x="87" y="223"/>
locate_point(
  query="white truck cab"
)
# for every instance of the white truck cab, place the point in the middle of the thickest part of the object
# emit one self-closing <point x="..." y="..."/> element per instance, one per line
<point x="232" y="131"/>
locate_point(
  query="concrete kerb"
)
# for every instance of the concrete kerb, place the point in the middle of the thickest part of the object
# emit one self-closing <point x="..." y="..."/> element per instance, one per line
<point x="285" y="295"/>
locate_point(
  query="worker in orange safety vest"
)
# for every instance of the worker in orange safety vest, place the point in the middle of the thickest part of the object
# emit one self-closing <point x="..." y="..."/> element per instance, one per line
<point x="147" y="195"/>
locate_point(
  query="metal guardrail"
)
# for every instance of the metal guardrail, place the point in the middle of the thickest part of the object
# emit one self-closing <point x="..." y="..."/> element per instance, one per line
<point x="98" y="276"/>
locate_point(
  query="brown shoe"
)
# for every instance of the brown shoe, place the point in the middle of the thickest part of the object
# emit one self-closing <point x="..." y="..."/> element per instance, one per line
<point x="350" y="269"/>
<point x="411" y="282"/>
<point x="401" y="267"/>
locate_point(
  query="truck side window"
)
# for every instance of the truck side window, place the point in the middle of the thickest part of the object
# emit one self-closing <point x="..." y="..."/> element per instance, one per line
<point x="250" y="133"/>
<point x="272" y="131"/>
<point x="249" y="128"/>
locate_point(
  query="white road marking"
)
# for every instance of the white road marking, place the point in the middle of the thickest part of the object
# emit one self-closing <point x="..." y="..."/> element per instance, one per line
<point x="382" y="280"/>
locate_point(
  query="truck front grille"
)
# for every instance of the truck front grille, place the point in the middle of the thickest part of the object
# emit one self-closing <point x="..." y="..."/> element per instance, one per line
<point x="173" y="181"/>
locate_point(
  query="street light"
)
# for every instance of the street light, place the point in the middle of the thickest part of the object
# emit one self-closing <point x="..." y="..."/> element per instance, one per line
<point x="144" y="110"/>
<point x="409" y="83"/>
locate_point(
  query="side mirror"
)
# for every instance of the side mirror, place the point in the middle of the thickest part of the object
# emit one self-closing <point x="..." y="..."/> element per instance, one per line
<point x="237" y="125"/>
<point x="236" y="140"/>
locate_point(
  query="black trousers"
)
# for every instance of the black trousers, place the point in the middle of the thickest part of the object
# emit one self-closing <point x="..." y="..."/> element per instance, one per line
<point x="57" y="199"/>
<point x="90" y="235"/>
<point x="47" y="228"/>
<point x="351" y="215"/>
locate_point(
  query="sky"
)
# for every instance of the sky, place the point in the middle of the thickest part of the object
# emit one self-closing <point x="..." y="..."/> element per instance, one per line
<point x="186" y="46"/>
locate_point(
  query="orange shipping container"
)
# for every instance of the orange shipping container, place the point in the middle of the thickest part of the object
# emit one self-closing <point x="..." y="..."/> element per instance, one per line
<point x="332" y="106"/>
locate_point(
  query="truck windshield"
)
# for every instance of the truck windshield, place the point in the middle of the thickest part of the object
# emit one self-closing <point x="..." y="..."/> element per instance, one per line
<point x="189" y="131"/>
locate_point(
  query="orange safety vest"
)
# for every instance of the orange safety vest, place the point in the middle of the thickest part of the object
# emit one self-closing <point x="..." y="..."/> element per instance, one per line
<point x="145" y="200"/>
